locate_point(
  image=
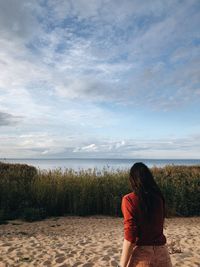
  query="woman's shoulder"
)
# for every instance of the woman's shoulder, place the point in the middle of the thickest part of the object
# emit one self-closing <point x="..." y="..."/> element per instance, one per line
<point x="130" y="200"/>
<point x="131" y="196"/>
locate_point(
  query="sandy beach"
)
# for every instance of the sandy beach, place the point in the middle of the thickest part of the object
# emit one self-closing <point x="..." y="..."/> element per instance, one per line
<point x="88" y="241"/>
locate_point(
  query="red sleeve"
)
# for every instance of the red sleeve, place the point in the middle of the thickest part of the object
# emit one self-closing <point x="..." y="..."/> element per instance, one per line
<point x="130" y="226"/>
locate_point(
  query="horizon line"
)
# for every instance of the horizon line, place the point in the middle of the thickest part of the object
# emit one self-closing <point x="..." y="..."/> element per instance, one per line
<point x="61" y="158"/>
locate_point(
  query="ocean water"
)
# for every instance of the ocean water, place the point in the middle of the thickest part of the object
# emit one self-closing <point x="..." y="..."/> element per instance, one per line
<point x="99" y="164"/>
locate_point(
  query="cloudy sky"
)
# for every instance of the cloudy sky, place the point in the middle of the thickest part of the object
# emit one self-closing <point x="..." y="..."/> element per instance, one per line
<point x="99" y="78"/>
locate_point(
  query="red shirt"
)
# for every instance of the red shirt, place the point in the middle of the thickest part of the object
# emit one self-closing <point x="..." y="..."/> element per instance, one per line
<point x="136" y="228"/>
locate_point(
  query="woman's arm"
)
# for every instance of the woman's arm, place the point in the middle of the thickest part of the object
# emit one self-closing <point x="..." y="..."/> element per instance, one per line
<point x="130" y="229"/>
<point x="126" y="252"/>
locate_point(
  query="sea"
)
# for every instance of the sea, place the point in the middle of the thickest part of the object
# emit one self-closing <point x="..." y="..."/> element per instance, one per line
<point x="78" y="164"/>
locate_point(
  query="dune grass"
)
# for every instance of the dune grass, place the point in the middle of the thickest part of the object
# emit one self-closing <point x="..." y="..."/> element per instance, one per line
<point x="32" y="194"/>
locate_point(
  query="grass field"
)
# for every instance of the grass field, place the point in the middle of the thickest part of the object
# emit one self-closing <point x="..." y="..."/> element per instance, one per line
<point x="31" y="194"/>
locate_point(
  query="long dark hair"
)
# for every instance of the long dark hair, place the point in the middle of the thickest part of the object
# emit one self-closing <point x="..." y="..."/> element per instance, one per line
<point x="146" y="188"/>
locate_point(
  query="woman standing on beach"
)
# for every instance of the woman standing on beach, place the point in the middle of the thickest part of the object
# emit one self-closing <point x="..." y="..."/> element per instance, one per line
<point x="144" y="212"/>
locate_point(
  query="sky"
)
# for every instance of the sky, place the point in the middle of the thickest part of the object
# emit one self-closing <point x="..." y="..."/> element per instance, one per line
<point x="100" y="78"/>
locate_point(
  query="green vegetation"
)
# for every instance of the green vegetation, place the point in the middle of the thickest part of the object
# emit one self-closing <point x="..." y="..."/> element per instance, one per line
<point x="32" y="194"/>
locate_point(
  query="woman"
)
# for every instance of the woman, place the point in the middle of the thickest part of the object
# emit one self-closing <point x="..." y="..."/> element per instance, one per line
<point x="144" y="212"/>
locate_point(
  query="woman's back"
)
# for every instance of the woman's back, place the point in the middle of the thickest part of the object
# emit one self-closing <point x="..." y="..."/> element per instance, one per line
<point x="144" y="232"/>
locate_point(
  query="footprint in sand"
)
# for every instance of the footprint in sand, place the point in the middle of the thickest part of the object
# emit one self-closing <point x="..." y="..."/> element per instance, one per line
<point x="47" y="263"/>
<point x="88" y="265"/>
<point x="79" y="263"/>
<point x="60" y="259"/>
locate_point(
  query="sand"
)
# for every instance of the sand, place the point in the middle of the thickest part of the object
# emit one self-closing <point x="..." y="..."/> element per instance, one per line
<point x="89" y="241"/>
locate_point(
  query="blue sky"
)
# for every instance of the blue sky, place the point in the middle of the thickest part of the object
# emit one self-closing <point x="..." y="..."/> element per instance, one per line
<point x="99" y="78"/>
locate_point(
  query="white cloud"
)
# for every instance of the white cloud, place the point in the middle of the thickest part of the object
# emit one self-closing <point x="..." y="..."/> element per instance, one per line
<point x="100" y="54"/>
<point x="89" y="148"/>
<point x="87" y="66"/>
<point x="55" y="146"/>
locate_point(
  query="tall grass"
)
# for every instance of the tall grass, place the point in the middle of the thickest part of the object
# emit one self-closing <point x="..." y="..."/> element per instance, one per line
<point x="15" y="188"/>
<point x="32" y="194"/>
